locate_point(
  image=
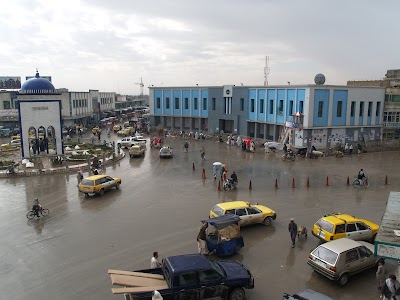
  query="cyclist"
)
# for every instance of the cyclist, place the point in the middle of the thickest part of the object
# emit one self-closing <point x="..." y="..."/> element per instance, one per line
<point x="361" y="177"/>
<point x="36" y="207"/>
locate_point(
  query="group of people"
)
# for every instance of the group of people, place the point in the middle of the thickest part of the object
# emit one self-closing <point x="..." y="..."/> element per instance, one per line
<point x="389" y="287"/>
<point x="348" y="149"/>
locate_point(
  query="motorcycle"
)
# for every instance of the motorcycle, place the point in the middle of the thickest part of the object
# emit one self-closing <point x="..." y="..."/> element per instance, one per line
<point x="229" y="184"/>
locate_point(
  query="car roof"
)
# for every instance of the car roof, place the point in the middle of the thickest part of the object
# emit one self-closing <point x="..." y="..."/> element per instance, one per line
<point x="233" y="204"/>
<point x="95" y="177"/>
<point x="340" y="218"/>
<point x="341" y="245"/>
<point x="181" y="263"/>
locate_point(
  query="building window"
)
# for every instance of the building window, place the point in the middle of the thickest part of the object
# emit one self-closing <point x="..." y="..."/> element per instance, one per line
<point x="73" y="103"/>
<point x="241" y="104"/>
<point x="167" y="103"/>
<point x="361" y="109"/>
<point x="80" y="103"/>
<point x="85" y="102"/>
<point x="369" y="108"/>
<point x="339" y="109"/>
<point x="301" y="106"/>
<point x="280" y="107"/>
<point x="352" y="108"/>
<point x="213" y="103"/>
<point x="261" y="106"/>
<point x="204" y="103"/>
<point x="6" y="104"/>
<point x="196" y="104"/>
<point x="252" y="105"/>
<point x="186" y="103"/>
<point x="320" y="108"/>
<point x="378" y="108"/>
<point x="271" y="107"/>
<point x="158" y="103"/>
<point x="291" y="107"/>
<point x="176" y="103"/>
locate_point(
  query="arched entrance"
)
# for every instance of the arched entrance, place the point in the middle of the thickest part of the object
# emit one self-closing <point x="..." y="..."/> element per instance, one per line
<point x="43" y="143"/>
<point x="51" y="140"/>
<point x="33" y="140"/>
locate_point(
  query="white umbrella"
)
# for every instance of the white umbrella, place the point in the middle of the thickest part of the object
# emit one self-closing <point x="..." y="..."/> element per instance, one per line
<point x="217" y="163"/>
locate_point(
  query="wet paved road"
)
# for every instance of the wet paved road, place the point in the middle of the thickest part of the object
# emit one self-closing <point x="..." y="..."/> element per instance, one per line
<point x="159" y="207"/>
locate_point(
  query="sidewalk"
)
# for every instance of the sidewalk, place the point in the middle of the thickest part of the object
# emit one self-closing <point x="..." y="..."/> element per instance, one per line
<point x="68" y="167"/>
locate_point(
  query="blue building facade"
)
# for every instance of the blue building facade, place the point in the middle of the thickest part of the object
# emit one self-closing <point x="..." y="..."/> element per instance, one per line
<point x="329" y="114"/>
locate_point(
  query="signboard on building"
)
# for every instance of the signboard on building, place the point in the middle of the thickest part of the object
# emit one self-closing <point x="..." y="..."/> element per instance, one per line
<point x="11" y="83"/>
<point x="45" y="77"/>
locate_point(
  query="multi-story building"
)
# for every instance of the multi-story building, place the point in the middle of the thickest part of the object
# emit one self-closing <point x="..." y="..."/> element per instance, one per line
<point x="327" y="115"/>
<point x="391" y="111"/>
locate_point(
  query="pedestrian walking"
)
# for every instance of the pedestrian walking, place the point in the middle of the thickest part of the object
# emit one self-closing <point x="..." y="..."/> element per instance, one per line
<point x="381" y="273"/>
<point x="203" y="153"/>
<point x="351" y="149"/>
<point x="215" y="171"/>
<point x="391" y="289"/>
<point x="293" y="231"/>
<point x="201" y="239"/>
<point x="80" y="175"/>
<point x="346" y="148"/>
<point x="154" y="263"/>
<point x="186" y="146"/>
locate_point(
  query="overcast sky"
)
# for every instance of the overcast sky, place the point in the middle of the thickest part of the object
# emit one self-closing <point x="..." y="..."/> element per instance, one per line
<point x="109" y="45"/>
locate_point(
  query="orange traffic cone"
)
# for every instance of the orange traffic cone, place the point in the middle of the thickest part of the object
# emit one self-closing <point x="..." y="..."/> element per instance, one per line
<point x="293" y="185"/>
<point x="348" y="180"/>
<point x="308" y="182"/>
<point x="203" y="175"/>
<point x="250" y="185"/>
<point x="276" y="183"/>
<point x="219" y="185"/>
<point x="327" y="181"/>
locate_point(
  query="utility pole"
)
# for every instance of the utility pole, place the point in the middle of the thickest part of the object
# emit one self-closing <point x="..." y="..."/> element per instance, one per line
<point x="266" y="70"/>
<point x="141" y="86"/>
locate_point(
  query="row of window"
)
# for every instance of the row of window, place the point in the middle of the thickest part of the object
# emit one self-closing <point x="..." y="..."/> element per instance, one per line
<point x="186" y="103"/>
<point x="80" y="103"/>
<point x="271" y="106"/>
<point x="106" y="100"/>
<point x="391" y="117"/>
<point x="361" y="109"/>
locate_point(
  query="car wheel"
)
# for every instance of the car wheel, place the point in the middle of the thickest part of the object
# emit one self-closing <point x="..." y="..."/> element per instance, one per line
<point x="343" y="279"/>
<point x="101" y="192"/>
<point x="237" y="294"/>
<point x="267" y="221"/>
<point x="117" y="186"/>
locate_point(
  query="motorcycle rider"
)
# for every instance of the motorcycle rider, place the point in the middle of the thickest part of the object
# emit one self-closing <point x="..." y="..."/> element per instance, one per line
<point x="361" y="177"/>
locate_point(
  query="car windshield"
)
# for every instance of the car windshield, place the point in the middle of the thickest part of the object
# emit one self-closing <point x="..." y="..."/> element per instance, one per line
<point x="87" y="182"/>
<point x="217" y="268"/>
<point x="325" y="254"/>
<point x="217" y="210"/>
<point x="325" y="225"/>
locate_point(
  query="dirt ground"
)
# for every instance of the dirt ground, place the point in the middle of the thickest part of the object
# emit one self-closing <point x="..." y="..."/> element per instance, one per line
<point x="159" y="207"/>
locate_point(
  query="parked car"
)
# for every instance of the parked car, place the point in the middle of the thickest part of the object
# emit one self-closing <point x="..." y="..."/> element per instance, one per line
<point x="98" y="184"/>
<point x="306" y="295"/>
<point x="335" y="226"/>
<point x="136" y="150"/>
<point x="339" y="259"/>
<point x="248" y="213"/>
<point x="166" y="151"/>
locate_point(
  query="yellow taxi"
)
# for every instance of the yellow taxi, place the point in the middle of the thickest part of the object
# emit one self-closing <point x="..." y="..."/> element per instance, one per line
<point x="98" y="184"/>
<point x="136" y="150"/>
<point x="248" y="213"/>
<point x="336" y="225"/>
<point x="117" y="128"/>
<point x="126" y="131"/>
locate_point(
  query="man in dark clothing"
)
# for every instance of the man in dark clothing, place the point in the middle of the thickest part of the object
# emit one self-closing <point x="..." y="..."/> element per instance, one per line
<point x="201" y="239"/>
<point x="293" y="231"/>
<point x="284" y="148"/>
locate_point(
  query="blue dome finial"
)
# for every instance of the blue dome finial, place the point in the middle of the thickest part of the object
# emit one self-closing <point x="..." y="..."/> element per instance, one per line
<point x="37" y="73"/>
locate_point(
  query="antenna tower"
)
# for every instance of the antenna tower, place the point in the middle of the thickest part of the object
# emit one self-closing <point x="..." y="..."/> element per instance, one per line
<point x="266" y="70"/>
<point x="141" y="86"/>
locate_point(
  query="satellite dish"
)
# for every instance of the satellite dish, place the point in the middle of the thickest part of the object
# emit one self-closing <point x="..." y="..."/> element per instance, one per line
<point x="319" y="79"/>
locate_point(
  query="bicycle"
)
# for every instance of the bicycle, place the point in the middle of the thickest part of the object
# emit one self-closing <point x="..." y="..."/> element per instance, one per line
<point x="43" y="212"/>
<point x="364" y="182"/>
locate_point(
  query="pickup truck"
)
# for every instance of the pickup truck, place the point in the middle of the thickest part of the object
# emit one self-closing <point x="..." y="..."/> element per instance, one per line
<point x="186" y="277"/>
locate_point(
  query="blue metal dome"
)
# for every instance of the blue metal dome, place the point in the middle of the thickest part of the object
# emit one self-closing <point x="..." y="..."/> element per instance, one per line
<point x="37" y="85"/>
